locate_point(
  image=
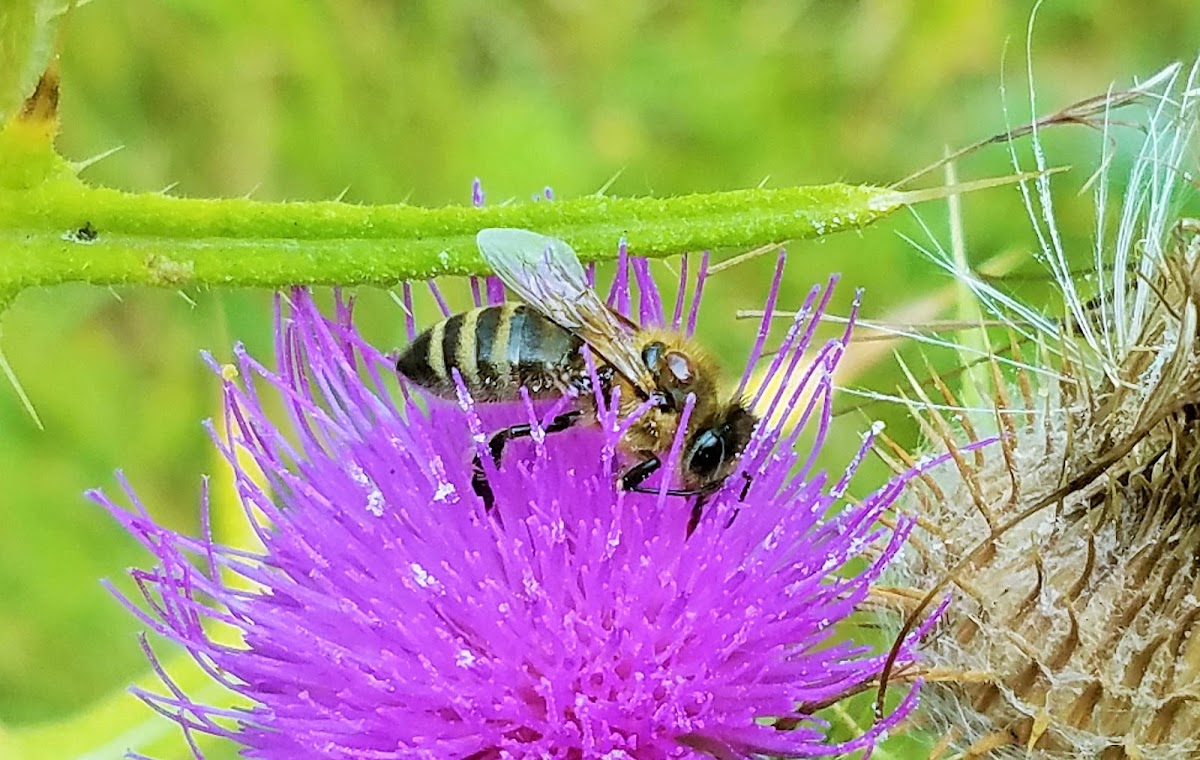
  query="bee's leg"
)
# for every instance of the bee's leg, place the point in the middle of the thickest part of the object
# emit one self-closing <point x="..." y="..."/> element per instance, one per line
<point x="481" y="486"/>
<point x="636" y="475"/>
<point x="697" y="510"/>
<point x="633" y="478"/>
<point x="702" y="496"/>
<point x="747" y="479"/>
<point x="479" y="481"/>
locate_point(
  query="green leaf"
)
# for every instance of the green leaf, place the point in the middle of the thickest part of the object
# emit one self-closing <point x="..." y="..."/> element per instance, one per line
<point x="28" y="32"/>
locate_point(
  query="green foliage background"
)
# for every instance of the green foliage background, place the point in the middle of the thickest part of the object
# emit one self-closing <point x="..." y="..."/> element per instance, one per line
<point x="389" y="101"/>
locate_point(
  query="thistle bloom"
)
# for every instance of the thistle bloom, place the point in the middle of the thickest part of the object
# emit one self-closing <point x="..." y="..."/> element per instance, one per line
<point x="391" y="616"/>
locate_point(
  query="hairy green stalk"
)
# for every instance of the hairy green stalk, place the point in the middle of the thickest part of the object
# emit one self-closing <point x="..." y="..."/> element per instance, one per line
<point x="66" y="231"/>
<point x="55" y="228"/>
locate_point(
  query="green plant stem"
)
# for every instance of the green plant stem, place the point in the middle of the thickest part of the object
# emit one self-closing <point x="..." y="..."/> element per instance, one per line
<point x="65" y="231"/>
<point x="54" y="228"/>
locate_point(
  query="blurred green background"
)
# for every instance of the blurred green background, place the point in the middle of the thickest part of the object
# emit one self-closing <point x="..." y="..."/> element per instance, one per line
<point x="389" y="101"/>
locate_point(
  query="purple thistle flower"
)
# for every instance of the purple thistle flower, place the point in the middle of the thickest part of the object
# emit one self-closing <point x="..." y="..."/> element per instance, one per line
<point x="392" y="617"/>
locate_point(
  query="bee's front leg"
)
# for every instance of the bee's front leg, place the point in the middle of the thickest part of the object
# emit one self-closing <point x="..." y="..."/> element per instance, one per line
<point x="633" y="478"/>
<point x="747" y="480"/>
<point x="479" y="481"/>
<point x="637" y="474"/>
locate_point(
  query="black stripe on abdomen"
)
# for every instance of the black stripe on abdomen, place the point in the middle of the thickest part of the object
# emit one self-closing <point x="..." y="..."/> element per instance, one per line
<point x="450" y="354"/>
<point x="414" y="363"/>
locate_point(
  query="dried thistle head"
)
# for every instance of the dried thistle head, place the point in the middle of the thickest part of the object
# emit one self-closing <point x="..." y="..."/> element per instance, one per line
<point x="1072" y="546"/>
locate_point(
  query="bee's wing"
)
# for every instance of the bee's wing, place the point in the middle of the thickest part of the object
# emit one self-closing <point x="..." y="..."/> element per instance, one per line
<point x="545" y="272"/>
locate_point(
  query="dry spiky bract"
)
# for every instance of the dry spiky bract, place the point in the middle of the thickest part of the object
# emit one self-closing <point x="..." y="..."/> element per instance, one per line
<point x="1074" y="542"/>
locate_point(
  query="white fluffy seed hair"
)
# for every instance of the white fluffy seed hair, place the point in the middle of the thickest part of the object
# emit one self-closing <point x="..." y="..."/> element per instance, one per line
<point x="1072" y="544"/>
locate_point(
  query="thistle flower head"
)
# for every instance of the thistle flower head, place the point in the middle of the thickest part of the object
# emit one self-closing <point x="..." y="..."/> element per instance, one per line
<point x="1075" y="545"/>
<point x="391" y="616"/>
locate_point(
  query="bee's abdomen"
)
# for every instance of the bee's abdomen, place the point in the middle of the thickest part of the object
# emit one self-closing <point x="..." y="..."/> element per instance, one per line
<point x="496" y="350"/>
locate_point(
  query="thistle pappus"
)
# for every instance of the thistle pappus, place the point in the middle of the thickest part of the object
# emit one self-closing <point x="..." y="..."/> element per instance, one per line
<point x="1072" y="547"/>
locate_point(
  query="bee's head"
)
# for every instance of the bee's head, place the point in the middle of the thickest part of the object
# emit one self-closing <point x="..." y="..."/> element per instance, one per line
<point x="713" y="446"/>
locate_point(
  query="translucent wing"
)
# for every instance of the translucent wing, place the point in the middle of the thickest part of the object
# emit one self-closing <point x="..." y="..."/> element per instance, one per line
<point x="545" y="272"/>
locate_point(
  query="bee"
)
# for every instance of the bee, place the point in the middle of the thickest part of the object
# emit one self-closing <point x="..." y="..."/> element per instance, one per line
<point x="539" y="343"/>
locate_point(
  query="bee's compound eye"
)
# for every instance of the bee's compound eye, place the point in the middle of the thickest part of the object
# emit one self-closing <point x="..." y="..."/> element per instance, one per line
<point x="706" y="454"/>
<point x="652" y="355"/>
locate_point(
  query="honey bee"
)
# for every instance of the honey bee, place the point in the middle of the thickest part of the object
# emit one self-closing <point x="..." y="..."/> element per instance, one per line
<point x="539" y="345"/>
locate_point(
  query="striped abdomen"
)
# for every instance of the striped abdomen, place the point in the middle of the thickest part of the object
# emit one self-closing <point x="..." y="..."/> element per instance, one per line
<point x="496" y="350"/>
